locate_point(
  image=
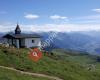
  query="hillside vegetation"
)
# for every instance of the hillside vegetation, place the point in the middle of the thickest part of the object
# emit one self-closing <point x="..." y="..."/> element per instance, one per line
<point x="56" y="65"/>
<point x="6" y="74"/>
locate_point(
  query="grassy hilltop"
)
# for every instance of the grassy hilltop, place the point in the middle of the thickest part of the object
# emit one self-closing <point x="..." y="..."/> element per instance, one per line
<point x="66" y="66"/>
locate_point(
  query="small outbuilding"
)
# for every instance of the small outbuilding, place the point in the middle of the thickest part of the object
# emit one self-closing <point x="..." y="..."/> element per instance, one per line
<point x="22" y="40"/>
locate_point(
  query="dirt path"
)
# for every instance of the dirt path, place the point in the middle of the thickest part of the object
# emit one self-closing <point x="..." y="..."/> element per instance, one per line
<point x="32" y="74"/>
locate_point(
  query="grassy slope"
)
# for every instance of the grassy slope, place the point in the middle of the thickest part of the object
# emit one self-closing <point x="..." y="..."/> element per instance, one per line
<point x="68" y="70"/>
<point x="77" y="57"/>
<point x="6" y="74"/>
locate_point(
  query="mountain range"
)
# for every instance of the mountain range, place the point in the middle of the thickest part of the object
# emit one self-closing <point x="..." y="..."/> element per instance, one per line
<point x="87" y="41"/>
<point x="81" y="41"/>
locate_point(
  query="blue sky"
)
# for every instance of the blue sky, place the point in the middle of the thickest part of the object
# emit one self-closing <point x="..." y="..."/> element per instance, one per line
<point x="46" y="14"/>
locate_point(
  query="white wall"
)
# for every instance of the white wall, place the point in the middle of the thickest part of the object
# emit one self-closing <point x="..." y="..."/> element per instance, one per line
<point x="28" y="42"/>
<point x="17" y="43"/>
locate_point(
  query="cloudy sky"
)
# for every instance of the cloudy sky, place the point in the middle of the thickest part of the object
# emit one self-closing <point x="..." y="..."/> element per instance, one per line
<point x="50" y="15"/>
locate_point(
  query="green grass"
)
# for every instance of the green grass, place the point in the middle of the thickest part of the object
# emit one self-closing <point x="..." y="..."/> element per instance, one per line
<point x="51" y="65"/>
<point x="6" y="74"/>
<point x="81" y="58"/>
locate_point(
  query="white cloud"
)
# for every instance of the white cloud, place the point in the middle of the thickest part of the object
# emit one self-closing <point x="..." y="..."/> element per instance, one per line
<point x="57" y="17"/>
<point x="31" y="16"/>
<point x="65" y="27"/>
<point x="93" y="17"/>
<point x="89" y="17"/>
<point x="51" y="27"/>
<point x="6" y="28"/>
<point x="96" y="10"/>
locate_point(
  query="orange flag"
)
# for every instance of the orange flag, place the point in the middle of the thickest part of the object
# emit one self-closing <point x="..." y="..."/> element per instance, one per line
<point x="35" y="54"/>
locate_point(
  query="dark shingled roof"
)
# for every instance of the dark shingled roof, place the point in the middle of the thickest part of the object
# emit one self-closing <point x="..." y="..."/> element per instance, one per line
<point x="21" y="36"/>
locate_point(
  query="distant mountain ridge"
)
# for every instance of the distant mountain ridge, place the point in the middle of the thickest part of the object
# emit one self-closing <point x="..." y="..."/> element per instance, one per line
<point x="75" y="41"/>
<point x="82" y="41"/>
